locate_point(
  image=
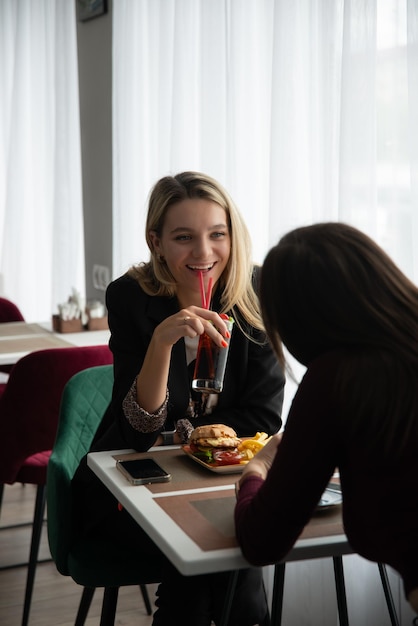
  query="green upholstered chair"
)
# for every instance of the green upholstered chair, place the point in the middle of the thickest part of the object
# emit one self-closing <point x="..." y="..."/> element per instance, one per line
<point x="92" y="563"/>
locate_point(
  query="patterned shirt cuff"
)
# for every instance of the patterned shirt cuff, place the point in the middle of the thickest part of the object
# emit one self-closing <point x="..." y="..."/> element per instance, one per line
<point x="184" y="430"/>
<point x="139" y="418"/>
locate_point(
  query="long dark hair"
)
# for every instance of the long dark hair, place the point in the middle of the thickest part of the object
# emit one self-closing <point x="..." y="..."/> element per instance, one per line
<point x="329" y="286"/>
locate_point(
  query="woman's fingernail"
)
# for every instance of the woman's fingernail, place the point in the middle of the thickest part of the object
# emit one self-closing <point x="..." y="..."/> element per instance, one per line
<point x="227" y="334"/>
<point x="224" y="343"/>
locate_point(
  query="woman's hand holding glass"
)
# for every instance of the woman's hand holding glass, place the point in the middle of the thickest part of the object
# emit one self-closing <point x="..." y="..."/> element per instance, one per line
<point x="190" y="322"/>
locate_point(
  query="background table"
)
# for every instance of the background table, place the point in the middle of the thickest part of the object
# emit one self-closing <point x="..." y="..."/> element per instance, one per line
<point x="19" y="338"/>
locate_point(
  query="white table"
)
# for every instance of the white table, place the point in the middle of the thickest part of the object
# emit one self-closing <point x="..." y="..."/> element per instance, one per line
<point x="164" y="522"/>
<point x="19" y="338"/>
<point x="191" y="518"/>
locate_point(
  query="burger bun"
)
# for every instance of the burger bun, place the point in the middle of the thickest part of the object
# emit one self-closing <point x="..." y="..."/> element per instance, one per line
<point x="215" y="436"/>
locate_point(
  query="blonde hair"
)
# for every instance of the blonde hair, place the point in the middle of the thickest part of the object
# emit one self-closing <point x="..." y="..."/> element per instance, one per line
<point x="237" y="292"/>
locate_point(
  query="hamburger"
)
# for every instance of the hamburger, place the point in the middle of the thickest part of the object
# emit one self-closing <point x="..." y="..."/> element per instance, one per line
<point x="216" y="444"/>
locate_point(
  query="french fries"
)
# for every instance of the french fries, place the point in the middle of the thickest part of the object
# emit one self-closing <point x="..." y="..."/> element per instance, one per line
<point x="250" y="447"/>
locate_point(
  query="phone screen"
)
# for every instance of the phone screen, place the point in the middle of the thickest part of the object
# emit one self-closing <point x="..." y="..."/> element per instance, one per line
<point x="142" y="471"/>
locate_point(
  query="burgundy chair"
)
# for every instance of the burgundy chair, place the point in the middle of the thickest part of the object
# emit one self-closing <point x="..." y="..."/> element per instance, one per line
<point x="29" y="413"/>
<point x="9" y="312"/>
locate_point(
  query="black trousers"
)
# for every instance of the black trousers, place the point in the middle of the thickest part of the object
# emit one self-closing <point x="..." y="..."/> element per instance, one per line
<point x="199" y="600"/>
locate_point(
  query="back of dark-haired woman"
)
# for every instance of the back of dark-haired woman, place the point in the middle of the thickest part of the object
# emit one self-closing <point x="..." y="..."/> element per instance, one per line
<point x="345" y="311"/>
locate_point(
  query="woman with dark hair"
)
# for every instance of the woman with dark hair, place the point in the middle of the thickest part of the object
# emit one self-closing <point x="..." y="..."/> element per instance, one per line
<point x="344" y="310"/>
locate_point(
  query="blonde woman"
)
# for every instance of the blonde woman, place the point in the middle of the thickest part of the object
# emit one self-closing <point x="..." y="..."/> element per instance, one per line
<point x="195" y="233"/>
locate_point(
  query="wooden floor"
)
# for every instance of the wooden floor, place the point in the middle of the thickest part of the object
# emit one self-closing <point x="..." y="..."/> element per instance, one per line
<point x="55" y="597"/>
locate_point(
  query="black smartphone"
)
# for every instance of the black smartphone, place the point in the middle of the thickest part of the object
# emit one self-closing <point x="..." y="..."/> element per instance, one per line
<point x="142" y="471"/>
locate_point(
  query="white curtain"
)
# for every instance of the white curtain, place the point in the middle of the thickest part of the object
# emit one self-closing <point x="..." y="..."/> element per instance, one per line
<point x="41" y="221"/>
<point x="304" y="109"/>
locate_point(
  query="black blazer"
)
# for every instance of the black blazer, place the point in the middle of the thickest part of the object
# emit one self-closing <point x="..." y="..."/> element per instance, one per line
<point x="252" y="397"/>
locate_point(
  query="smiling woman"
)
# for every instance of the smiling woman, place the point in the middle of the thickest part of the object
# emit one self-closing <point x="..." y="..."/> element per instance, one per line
<point x="156" y="316"/>
<point x="194" y="241"/>
<point x="169" y="192"/>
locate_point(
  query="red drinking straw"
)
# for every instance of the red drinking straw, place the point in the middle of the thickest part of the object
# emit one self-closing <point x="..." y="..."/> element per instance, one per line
<point x="202" y="290"/>
<point x="209" y="293"/>
<point x="206" y="343"/>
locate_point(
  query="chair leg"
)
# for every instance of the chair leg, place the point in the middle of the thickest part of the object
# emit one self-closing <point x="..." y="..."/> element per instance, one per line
<point x="232" y="583"/>
<point x="340" y="588"/>
<point x="278" y="589"/>
<point x="388" y="594"/>
<point x="146" y="599"/>
<point x="84" y="606"/>
<point x="266" y="621"/>
<point x="34" y="549"/>
<point x="110" y="600"/>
